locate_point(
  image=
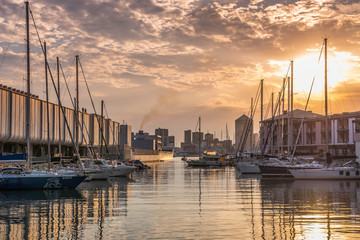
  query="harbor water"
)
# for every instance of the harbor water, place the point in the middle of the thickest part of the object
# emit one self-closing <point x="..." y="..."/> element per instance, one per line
<point x="173" y="201"/>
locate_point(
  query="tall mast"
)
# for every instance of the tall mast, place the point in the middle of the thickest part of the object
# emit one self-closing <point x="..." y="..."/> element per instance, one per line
<point x="282" y="118"/>
<point x="326" y="103"/>
<point x="292" y="106"/>
<point x="251" y="124"/>
<point x="261" y="109"/>
<point x="27" y="108"/>
<point x="261" y="98"/>
<point x="47" y="107"/>
<point x="77" y="103"/>
<point x="272" y="117"/>
<point x="199" y="137"/>
<point x="288" y="118"/>
<point x="278" y="139"/>
<point x="58" y="87"/>
<point x="101" y="126"/>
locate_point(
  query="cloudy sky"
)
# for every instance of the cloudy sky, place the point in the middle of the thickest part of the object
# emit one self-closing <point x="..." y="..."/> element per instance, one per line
<point x="163" y="63"/>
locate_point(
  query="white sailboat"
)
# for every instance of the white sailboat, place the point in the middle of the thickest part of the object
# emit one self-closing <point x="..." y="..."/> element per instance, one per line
<point x="102" y="170"/>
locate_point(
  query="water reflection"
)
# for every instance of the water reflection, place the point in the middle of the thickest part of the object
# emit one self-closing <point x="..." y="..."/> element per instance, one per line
<point x="39" y="214"/>
<point x="298" y="209"/>
<point x="62" y="214"/>
<point x="173" y="201"/>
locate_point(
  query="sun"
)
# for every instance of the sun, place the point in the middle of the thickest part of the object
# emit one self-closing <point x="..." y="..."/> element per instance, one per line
<point x="312" y="65"/>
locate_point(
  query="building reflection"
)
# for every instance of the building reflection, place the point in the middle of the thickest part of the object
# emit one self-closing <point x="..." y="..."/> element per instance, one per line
<point x="41" y="214"/>
<point x="62" y="214"/>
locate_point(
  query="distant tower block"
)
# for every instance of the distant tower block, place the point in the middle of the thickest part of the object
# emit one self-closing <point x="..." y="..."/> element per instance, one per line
<point x="240" y="125"/>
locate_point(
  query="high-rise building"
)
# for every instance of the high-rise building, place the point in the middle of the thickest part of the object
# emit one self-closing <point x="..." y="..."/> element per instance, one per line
<point x="125" y="142"/>
<point x="240" y="131"/>
<point x="209" y="138"/>
<point x="162" y="132"/>
<point x="163" y="135"/>
<point x="125" y="134"/>
<point x="187" y="137"/>
<point x="196" y="138"/>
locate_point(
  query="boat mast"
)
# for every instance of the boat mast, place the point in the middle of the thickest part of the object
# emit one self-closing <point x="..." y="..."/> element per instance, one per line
<point x="47" y="107"/>
<point x="282" y="121"/>
<point x="77" y="104"/>
<point x="272" y="117"/>
<point x="326" y="103"/>
<point x="27" y="107"/>
<point x="101" y="126"/>
<point x="292" y="106"/>
<point x="288" y="118"/>
<point x="261" y="113"/>
<point x="58" y="83"/>
<point x="251" y="125"/>
<point x="278" y="129"/>
<point x="199" y="137"/>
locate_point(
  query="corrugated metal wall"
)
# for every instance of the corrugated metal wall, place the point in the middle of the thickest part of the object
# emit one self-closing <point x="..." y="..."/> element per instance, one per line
<point x="12" y="122"/>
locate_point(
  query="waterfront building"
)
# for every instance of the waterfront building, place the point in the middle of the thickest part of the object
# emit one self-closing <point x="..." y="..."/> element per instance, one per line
<point x="12" y="127"/>
<point x="311" y="138"/>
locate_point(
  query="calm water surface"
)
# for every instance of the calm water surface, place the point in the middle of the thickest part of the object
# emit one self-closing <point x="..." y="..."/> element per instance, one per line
<point x="172" y="201"/>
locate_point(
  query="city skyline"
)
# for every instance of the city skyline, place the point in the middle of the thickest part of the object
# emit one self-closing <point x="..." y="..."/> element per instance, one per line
<point x="164" y="64"/>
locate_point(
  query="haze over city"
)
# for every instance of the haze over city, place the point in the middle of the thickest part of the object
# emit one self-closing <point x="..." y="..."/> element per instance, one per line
<point x="164" y="63"/>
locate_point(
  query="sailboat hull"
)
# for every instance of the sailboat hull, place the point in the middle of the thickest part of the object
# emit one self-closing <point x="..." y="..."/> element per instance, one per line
<point x="122" y="171"/>
<point x="248" y="168"/>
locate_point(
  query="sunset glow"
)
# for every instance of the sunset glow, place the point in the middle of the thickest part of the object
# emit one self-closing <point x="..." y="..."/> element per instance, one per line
<point x="204" y="58"/>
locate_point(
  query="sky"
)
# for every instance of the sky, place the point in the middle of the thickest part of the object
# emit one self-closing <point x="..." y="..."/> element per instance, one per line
<point x="164" y="63"/>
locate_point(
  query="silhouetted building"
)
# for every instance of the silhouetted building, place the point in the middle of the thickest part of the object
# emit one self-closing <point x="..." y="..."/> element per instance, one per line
<point x="187" y="137"/>
<point x="240" y="131"/>
<point x="162" y="132"/>
<point x="143" y="140"/>
<point x="209" y="138"/>
<point x="197" y="137"/>
<point x="125" y="134"/>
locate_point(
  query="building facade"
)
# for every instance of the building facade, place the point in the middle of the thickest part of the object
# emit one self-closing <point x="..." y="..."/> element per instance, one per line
<point x="61" y="127"/>
<point x="310" y="139"/>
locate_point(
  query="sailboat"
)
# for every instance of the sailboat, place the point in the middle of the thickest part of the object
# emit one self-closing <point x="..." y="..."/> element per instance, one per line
<point x="13" y="178"/>
<point x="96" y="168"/>
<point x="328" y="172"/>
